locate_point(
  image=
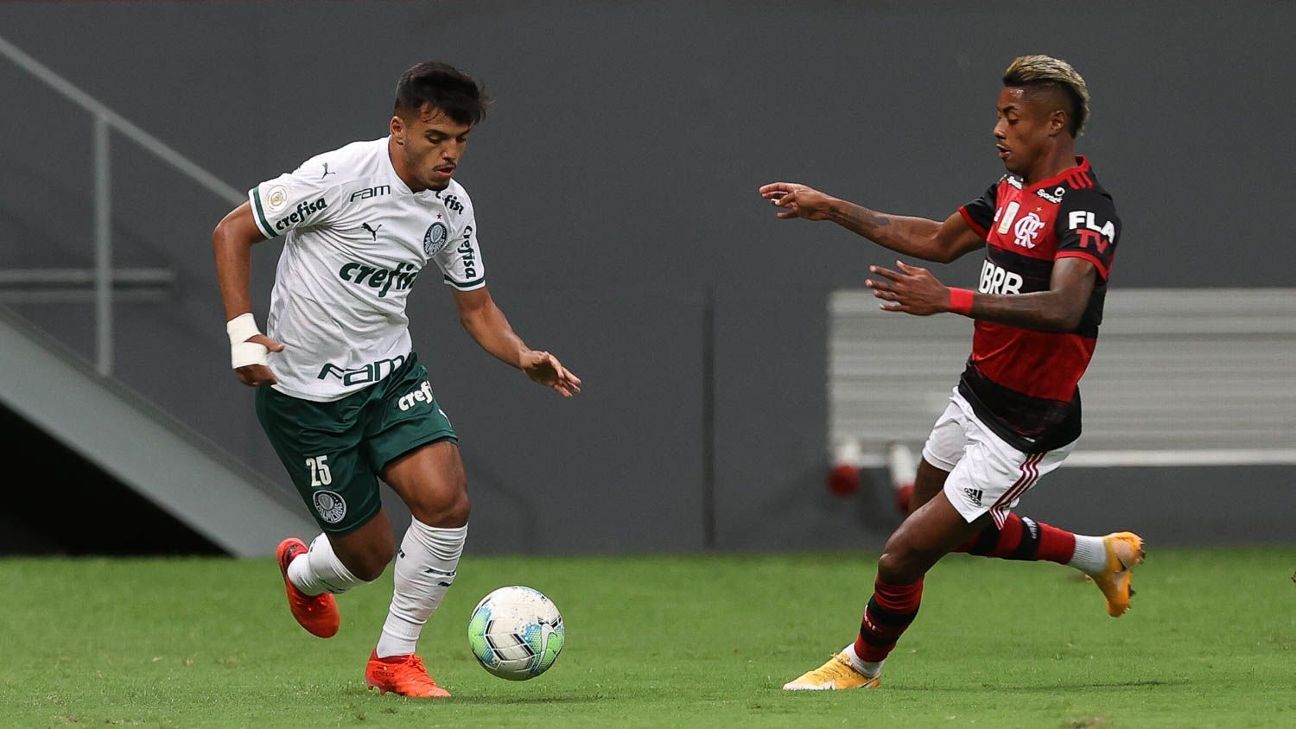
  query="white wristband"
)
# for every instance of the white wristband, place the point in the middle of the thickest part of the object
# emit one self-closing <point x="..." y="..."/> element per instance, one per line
<point x="241" y="328"/>
<point x="242" y="352"/>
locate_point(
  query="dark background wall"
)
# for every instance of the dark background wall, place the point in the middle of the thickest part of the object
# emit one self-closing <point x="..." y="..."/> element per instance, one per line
<point x="615" y="187"/>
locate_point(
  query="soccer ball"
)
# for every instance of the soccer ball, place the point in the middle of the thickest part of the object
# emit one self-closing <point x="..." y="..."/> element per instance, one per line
<point x="516" y="633"/>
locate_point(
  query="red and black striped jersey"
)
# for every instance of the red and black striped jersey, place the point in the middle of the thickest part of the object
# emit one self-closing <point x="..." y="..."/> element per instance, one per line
<point x="1024" y="383"/>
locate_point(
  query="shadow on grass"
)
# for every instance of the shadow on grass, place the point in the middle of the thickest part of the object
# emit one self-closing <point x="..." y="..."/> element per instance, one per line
<point x="1045" y="687"/>
<point x="507" y="700"/>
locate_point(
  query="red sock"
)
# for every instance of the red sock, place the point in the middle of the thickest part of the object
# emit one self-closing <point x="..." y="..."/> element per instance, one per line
<point x="891" y="609"/>
<point x="1024" y="539"/>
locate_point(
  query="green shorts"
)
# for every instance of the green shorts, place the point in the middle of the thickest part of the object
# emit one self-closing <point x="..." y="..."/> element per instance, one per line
<point x="334" y="451"/>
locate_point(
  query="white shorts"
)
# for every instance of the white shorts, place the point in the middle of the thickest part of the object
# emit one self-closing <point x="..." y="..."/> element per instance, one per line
<point x="985" y="473"/>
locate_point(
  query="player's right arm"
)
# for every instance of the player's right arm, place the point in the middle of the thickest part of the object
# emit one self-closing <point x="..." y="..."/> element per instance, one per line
<point x="929" y="240"/>
<point x="232" y="242"/>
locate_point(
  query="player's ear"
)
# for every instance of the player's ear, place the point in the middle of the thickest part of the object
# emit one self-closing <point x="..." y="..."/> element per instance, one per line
<point x="397" y="127"/>
<point x="1057" y="122"/>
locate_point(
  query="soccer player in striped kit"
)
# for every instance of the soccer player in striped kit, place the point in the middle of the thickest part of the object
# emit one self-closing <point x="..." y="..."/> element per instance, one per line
<point x="1050" y="233"/>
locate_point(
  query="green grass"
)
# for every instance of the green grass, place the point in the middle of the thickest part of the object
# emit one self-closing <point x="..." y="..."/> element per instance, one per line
<point x="661" y="641"/>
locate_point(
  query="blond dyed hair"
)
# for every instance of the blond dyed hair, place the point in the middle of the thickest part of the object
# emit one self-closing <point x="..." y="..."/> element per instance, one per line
<point x="1040" y="71"/>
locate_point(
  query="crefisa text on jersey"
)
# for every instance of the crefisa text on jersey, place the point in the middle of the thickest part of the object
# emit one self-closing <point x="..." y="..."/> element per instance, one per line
<point x="402" y="277"/>
<point x="303" y="211"/>
<point x="469" y="257"/>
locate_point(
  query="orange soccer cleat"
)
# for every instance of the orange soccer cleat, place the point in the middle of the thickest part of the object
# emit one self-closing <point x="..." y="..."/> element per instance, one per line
<point x="836" y="674"/>
<point x="318" y="614"/>
<point x="402" y="675"/>
<point x="1124" y="553"/>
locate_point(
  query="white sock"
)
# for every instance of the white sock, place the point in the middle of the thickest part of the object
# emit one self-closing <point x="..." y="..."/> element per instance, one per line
<point x="319" y="570"/>
<point x="425" y="569"/>
<point x="1090" y="555"/>
<point x="868" y="668"/>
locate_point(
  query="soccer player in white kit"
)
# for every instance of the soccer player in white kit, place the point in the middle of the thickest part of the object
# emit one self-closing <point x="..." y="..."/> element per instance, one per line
<point x="340" y="393"/>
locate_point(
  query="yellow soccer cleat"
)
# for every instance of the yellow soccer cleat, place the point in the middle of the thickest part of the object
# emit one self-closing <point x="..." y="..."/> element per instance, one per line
<point x="837" y="673"/>
<point x="1124" y="552"/>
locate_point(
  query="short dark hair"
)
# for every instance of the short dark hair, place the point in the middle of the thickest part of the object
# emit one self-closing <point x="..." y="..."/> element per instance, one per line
<point x="1046" y="72"/>
<point x="443" y="86"/>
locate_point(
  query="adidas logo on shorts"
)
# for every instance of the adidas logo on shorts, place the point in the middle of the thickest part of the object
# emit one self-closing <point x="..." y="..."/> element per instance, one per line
<point x="974" y="495"/>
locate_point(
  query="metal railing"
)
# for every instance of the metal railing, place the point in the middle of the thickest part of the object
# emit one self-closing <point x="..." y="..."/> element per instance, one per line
<point x="1181" y="377"/>
<point x="105" y="121"/>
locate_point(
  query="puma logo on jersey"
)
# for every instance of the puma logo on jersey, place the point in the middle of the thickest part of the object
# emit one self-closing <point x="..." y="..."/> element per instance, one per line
<point x="304" y="210"/>
<point x="372" y="230"/>
<point x="423" y="394"/>
<point x="997" y="280"/>
<point x="402" y="277"/>
<point x="326" y="171"/>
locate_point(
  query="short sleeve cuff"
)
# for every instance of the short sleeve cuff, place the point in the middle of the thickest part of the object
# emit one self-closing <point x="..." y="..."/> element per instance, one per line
<point x="980" y="229"/>
<point x="472" y="285"/>
<point x="258" y="214"/>
<point x="1103" y="269"/>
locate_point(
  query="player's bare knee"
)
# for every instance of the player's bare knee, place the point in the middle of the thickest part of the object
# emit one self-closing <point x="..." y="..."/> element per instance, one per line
<point x="446" y="514"/>
<point x="457" y="516"/>
<point x="446" y="510"/>
<point x="899" y="564"/>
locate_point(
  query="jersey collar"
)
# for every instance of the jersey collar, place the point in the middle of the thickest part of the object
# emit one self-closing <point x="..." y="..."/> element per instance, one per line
<point x="1081" y="165"/>
<point x="398" y="184"/>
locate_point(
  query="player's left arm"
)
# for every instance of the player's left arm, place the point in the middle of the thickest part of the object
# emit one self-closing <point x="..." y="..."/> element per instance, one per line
<point x="1087" y="230"/>
<point x="491" y="329"/>
<point x="914" y="290"/>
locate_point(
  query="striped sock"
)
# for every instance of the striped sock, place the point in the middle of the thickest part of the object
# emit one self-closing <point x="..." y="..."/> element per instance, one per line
<point x="1023" y="539"/>
<point x="889" y="611"/>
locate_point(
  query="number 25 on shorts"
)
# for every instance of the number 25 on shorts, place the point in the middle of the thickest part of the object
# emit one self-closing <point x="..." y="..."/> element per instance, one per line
<point x="319" y="470"/>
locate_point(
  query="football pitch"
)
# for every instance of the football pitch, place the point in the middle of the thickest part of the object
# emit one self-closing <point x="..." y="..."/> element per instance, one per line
<point x="664" y="642"/>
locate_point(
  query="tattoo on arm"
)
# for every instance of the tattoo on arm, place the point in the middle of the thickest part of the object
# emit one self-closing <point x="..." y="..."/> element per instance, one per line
<point x="903" y="234"/>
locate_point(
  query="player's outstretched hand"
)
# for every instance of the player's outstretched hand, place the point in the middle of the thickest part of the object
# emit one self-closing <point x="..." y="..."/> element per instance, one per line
<point x="545" y="369"/>
<point x="797" y="200"/>
<point x="254" y="375"/>
<point x="911" y="290"/>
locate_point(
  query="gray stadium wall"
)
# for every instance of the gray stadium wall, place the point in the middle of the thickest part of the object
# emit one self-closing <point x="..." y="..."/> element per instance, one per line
<point x="615" y="187"/>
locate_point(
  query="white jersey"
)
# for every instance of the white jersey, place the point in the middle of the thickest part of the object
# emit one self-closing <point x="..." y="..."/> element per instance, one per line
<point x="357" y="237"/>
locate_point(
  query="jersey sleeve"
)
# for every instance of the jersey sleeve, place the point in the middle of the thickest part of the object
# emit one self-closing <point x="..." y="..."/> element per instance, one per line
<point x="302" y="198"/>
<point x="1088" y="228"/>
<point x="460" y="260"/>
<point x="980" y="212"/>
